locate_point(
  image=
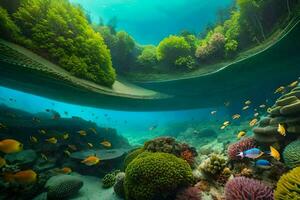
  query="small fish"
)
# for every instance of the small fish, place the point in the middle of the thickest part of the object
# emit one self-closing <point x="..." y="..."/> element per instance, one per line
<point x="262" y="106"/>
<point x="21" y="177"/>
<point x="106" y="143"/>
<point x="72" y="147"/>
<point x="293" y="84"/>
<point x="44" y="156"/>
<point x="241" y="134"/>
<point x="236" y="116"/>
<point x="226" y="123"/>
<point x="82" y="132"/>
<point x="253" y="122"/>
<point x="93" y="130"/>
<point x="213" y="112"/>
<point x="67" y="152"/>
<point x="227" y="103"/>
<point x="281" y="130"/>
<point x="90" y="145"/>
<point x="274" y="153"/>
<point x="52" y="140"/>
<point x="33" y="139"/>
<point x="256" y="114"/>
<point x="2" y="162"/>
<point x="223" y="127"/>
<point x="253" y="153"/>
<point x="10" y="146"/>
<point x="246" y="107"/>
<point x="263" y="164"/>
<point x="279" y="90"/>
<point x="42" y="131"/>
<point x="66" y="136"/>
<point x="247" y="102"/>
<point x="65" y="170"/>
<point x="2" y="126"/>
<point x="91" y="160"/>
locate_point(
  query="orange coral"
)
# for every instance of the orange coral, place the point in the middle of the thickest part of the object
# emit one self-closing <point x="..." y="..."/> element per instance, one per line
<point x="188" y="156"/>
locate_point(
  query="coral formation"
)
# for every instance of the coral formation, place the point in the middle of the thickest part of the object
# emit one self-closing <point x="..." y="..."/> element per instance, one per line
<point x="240" y="146"/>
<point x="108" y="180"/>
<point x="119" y="185"/>
<point x="291" y="154"/>
<point x="246" y="188"/>
<point x="288" y="186"/>
<point x="132" y="155"/>
<point x="213" y="165"/>
<point x="190" y="193"/>
<point x="62" y="186"/>
<point x="156" y="176"/>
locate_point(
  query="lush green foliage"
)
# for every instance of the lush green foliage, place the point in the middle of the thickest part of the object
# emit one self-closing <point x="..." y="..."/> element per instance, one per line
<point x="60" y="32"/>
<point x="8" y="29"/>
<point x="148" y="57"/>
<point x="156" y="176"/>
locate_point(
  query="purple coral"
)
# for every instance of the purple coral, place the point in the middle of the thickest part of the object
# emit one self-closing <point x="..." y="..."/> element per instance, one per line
<point x="247" y="188"/>
<point x="240" y="146"/>
<point x="190" y="193"/>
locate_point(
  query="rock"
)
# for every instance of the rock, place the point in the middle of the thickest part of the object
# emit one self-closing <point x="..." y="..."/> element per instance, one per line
<point x="110" y="154"/>
<point x="286" y="101"/>
<point x="213" y="147"/>
<point x="291" y="109"/>
<point x="119" y="187"/>
<point x="23" y="157"/>
<point x="63" y="186"/>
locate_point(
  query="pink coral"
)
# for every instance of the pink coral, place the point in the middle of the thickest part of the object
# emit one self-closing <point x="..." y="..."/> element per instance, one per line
<point x="190" y="193"/>
<point x="240" y="146"/>
<point x="247" y="188"/>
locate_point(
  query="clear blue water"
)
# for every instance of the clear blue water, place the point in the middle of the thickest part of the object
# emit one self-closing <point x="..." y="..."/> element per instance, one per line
<point x="149" y="21"/>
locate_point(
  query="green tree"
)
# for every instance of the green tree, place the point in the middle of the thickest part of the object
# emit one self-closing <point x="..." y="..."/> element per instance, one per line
<point x="8" y="29"/>
<point x="148" y="57"/>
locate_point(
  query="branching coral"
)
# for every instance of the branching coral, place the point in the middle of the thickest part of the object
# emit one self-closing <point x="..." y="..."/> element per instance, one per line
<point x="246" y="188"/>
<point x="291" y="154"/>
<point x="288" y="186"/>
<point x="240" y="146"/>
<point x="213" y="165"/>
<point x="156" y="176"/>
<point x="190" y="193"/>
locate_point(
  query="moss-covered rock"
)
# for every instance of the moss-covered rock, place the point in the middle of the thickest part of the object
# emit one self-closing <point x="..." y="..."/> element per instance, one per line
<point x="153" y="176"/>
<point x="291" y="154"/>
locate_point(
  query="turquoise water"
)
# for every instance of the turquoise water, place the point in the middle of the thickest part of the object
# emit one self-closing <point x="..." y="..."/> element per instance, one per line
<point x="149" y="21"/>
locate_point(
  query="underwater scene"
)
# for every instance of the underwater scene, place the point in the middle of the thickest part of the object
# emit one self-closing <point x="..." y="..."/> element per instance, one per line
<point x="150" y="100"/>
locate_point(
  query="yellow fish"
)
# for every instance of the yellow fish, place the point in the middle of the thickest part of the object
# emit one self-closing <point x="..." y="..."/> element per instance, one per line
<point x="42" y="131"/>
<point x="52" y="140"/>
<point x="91" y="160"/>
<point x="256" y="114"/>
<point x="22" y="177"/>
<point x="2" y="162"/>
<point x="67" y="152"/>
<point x="66" y="136"/>
<point x="106" y="143"/>
<point x="213" y="112"/>
<point x="274" y="153"/>
<point x="281" y="130"/>
<point x="226" y="123"/>
<point x="10" y="146"/>
<point x="245" y="107"/>
<point x="253" y="122"/>
<point x="44" y="156"/>
<point x="262" y="106"/>
<point x="223" y="127"/>
<point x="241" y="134"/>
<point x="90" y="145"/>
<point x="236" y="116"/>
<point x="82" y="133"/>
<point x="293" y="84"/>
<point x="33" y="139"/>
<point x="279" y="90"/>
<point x="93" y="130"/>
<point x="247" y="102"/>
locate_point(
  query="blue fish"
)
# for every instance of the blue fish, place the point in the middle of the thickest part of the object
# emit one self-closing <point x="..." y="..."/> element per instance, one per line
<point x="263" y="164"/>
<point x="253" y="153"/>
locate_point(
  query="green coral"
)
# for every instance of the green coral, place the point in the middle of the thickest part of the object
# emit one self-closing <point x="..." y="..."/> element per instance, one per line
<point x="291" y="154"/>
<point x="132" y="155"/>
<point x="156" y="176"/>
<point x="110" y="179"/>
<point x="288" y="186"/>
<point x="213" y="165"/>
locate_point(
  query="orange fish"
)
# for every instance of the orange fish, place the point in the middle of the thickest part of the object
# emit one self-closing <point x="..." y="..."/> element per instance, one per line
<point x="91" y="160"/>
<point x="106" y="143"/>
<point x="10" y="146"/>
<point x="22" y="177"/>
<point x="64" y="170"/>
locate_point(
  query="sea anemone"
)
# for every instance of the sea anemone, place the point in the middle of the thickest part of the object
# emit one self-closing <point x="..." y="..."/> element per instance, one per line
<point x="190" y="193"/>
<point x="240" y="146"/>
<point x="246" y="188"/>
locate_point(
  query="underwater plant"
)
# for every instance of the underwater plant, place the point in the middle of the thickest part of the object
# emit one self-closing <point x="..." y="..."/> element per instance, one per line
<point x="288" y="186"/>
<point x="190" y="193"/>
<point x="240" y="146"/>
<point x="246" y="188"/>
<point x="291" y="154"/>
<point x="156" y="176"/>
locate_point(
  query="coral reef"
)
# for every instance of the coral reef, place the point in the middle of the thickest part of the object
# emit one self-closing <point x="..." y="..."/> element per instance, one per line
<point x="132" y="155"/>
<point x="156" y="176"/>
<point x="62" y="186"/>
<point x="213" y="165"/>
<point x="240" y="146"/>
<point x="110" y="179"/>
<point x="245" y="188"/>
<point x="291" y="154"/>
<point x="288" y="186"/>
<point x="190" y="193"/>
<point x="119" y="185"/>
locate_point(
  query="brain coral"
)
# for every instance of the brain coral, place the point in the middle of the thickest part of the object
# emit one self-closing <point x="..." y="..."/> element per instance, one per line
<point x="241" y="188"/>
<point x="288" y="186"/>
<point x="63" y="186"/>
<point x="291" y="154"/>
<point x="156" y="176"/>
<point x="240" y="146"/>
